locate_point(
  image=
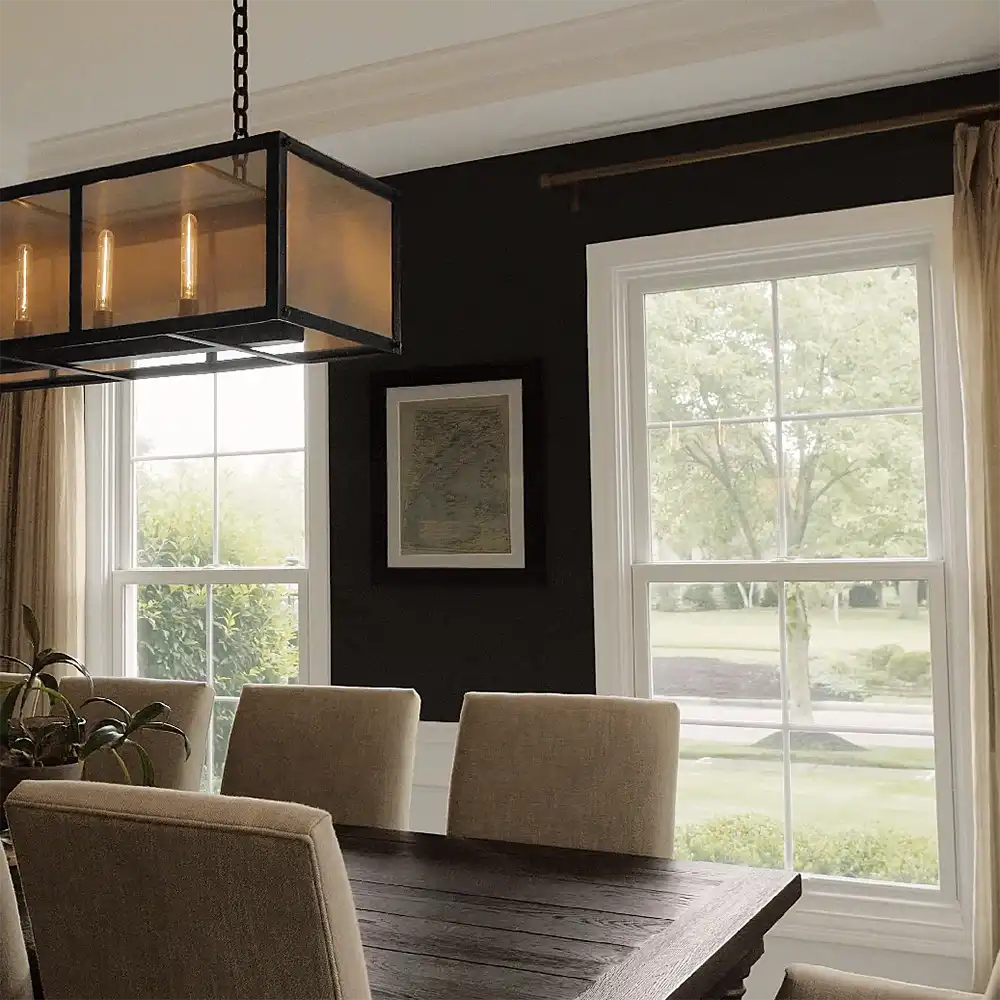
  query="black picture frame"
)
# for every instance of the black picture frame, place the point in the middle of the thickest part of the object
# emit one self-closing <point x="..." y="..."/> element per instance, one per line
<point x="530" y="374"/>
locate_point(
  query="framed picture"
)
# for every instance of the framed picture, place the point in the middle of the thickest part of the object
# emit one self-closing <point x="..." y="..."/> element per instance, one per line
<point x="458" y="470"/>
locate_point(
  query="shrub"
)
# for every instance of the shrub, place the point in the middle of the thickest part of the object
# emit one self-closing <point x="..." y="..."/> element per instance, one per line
<point x="732" y="597"/>
<point x="701" y="597"/>
<point x="883" y="853"/>
<point x="910" y="668"/>
<point x="878" y="658"/>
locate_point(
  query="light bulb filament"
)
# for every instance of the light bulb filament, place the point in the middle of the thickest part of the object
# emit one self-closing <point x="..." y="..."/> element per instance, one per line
<point x="105" y="270"/>
<point x="189" y="257"/>
<point x="22" y="312"/>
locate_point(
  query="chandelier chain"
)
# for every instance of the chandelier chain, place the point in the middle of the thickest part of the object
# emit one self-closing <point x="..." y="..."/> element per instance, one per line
<point x="241" y="82"/>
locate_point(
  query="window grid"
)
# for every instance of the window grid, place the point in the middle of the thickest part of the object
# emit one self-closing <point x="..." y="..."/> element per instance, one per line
<point x="791" y="568"/>
<point x="132" y="575"/>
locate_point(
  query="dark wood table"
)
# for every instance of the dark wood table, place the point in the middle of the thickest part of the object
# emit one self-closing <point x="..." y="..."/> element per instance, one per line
<point x="448" y="919"/>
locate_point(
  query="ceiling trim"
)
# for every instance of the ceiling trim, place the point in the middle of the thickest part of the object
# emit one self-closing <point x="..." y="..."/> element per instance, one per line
<point x="629" y="41"/>
<point x="763" y="102"/>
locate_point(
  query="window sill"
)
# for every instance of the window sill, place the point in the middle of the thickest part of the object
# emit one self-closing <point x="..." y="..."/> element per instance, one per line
<point x="869" y="915"/>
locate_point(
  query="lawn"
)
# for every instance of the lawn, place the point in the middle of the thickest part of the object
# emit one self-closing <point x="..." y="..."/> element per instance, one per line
<point x="824" y="795"/>
<point x="752" y="633"/>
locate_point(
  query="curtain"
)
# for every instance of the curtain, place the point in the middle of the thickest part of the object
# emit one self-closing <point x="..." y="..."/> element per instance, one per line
<point x="42" y="517"/>
<point x="977" y="290"/>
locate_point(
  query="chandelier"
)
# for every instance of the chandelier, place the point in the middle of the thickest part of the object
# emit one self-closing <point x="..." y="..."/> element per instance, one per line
<point x="255" y="252"/>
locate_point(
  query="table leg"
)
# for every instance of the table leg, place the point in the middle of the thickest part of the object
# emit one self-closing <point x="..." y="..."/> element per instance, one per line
<point x="732" y="986"/>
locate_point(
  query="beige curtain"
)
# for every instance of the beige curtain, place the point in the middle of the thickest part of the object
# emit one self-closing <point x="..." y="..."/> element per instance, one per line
<point x="42" y="518"/>
<point x="977" y="289"/>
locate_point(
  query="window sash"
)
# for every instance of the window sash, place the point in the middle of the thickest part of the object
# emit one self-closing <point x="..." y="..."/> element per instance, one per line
<point x="110" y="527"/>
<point x="928" y="920"/>
<point x="640" y="425"/>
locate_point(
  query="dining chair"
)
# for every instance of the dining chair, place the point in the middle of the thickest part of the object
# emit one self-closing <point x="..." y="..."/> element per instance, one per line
<point x="190" y="708"/>
<point x="157" y="893"/>
<point x="15" y="973"/>
<point x="576" y="771"/>
<point x="814" y="982"/>
<point x="348" y="750"/>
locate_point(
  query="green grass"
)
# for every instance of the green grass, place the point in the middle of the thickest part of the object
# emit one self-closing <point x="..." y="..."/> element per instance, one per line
<point x="753" y="633"/>
<point x="901" y="758"/>
<point x="823" y="795"/>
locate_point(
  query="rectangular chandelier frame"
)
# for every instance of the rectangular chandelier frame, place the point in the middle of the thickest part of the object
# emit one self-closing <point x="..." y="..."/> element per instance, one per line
<point x="299" y="255"/>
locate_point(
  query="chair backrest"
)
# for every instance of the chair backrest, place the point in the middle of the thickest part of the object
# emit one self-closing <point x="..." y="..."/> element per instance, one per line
<point x="155" y="893"/>
<point x="993" y="986"/>
<point x="566" y="770"/>
<point x="348" y="750"/>
<point x="15" y="974"/>
<point x="190" y="708"/>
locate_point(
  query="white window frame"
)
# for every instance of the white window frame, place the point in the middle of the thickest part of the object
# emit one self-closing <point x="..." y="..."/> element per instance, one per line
<point x="928" y="920"/>
<point x="109" y="524"/>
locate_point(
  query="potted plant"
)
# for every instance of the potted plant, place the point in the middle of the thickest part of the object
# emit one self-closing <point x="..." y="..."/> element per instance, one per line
<point x="36" y="744"/>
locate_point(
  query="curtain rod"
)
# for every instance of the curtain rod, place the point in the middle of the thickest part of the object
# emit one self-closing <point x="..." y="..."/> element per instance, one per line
<point x="765" y="145"/>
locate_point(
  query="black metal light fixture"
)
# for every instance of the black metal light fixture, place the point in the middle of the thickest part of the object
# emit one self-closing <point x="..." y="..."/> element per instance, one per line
<point x="242" y="254"/>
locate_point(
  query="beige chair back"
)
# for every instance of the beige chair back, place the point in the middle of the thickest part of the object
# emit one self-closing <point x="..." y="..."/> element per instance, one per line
<point x="155" y="893"/>
<point x="190" y="708"/>
<point x="15" y="974"/>
<point x="348" y="750"/>
<point x="566" y="770"/>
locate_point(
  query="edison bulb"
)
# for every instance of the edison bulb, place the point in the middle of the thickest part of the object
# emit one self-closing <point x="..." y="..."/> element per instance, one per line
<point x="105" y="269"/>
<point x="189" y="257"/>
<point x="22" y="302"/>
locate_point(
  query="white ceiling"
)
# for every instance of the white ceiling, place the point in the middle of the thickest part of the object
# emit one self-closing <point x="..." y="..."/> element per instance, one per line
<point x="399" y="84"/>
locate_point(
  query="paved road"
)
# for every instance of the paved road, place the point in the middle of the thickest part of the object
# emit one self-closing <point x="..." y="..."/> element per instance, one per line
<point x="762" y="717"/>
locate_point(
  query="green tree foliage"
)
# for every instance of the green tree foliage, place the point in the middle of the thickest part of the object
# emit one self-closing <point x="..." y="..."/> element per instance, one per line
<point x="852" y="485"/>
<point x="254" y="626"/>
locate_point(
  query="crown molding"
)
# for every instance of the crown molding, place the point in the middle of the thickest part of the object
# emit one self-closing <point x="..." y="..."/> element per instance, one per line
<point x="763" y="102"/>
<point x="13" y="160"/>
<point x="629" y="41"/>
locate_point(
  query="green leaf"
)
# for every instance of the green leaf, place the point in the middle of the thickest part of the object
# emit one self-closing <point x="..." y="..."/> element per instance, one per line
<point x="150" y="713"/>
<point x="121" y="764"/>
<point x="166" y="727"/>
<point x="15" y="659"/>
<point x="104" y="735"/>
<point x="108" y="701"/>
<point x="48" y="657"/>
<point x="48" y="681"/>
<point x="148" y="776"/>
<point x="65" y="702"/>
<point x="30" y="623"/>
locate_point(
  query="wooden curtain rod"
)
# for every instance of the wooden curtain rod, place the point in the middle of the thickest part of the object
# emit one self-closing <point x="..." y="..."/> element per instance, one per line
<point x="765" y="145"/>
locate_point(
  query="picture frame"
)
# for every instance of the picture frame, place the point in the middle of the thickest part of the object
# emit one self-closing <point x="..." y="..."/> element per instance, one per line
<point x="457" y="474"/>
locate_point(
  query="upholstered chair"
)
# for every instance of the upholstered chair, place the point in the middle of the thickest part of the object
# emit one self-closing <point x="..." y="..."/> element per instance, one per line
<point x="567" y="770"/>
<point x="348" y="750"/>
<point x="156" y="893"/>
<point x="190" y="708"/>
<point x="813" y="982"/>
<point x="15" y="974"/>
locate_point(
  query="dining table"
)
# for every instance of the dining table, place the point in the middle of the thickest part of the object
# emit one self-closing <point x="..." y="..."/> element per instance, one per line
<point x="444" y="918"/>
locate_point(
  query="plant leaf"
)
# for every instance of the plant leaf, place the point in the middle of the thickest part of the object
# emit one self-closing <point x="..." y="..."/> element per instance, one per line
<point x="107" y="734"/>
<point x="108" y="701"/>
<point x="48" y="657"/>
<point x="122" y="765"/>
<point x="166" y="727"/>
<point x="15" y="659"/>
<point x="150" y="713"/>
<point x="148" y="777"/>
<point x="49" y="681"/>
<point x="30" y="623"/>
<point x="63" y="700"/>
